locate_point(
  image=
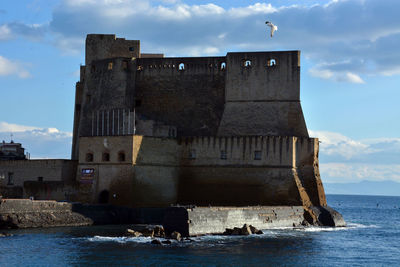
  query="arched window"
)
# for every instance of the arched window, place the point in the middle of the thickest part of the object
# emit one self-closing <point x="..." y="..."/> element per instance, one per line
<point x="121" y="156"/>
<point x="247" y="63"/>
<point x="271" y="62"/>
<point x="223" y="66"/>
<point x="106" y="156"/>
<point x="181" y="66"/>
<point x="89" y="157"/>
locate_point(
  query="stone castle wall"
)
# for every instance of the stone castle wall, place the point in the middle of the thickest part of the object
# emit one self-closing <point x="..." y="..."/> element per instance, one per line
<point x="201" y="170"/>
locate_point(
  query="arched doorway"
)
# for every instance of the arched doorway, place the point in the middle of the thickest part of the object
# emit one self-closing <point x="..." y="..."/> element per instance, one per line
<point x="103" y="197"/>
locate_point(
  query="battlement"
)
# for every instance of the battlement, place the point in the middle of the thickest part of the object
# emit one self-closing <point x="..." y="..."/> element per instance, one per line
<point x="105" y="46"/>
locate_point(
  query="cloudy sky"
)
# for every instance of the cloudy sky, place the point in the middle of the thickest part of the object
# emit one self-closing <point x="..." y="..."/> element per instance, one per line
<point x="350" y="66"/>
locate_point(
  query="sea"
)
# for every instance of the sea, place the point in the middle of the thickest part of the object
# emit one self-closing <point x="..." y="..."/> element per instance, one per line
<point x="371" y="238"/>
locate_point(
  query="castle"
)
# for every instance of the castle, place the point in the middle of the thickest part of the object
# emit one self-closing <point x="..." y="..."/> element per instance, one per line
<point x="153" y="131"/>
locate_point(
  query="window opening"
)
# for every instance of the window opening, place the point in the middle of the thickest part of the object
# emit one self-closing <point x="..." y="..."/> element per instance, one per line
<point x="124" y="65"/>
<point x="271" y="62"/>
<point x="223" y="65"/>
<point x="223" y="154"/>
<point x="104" y="196"/>
<point x="257" y="155"/>
<point x="247" y="63"/>
<point x="106" y="156"/>
<point x="121" y="156"/>
<point x="89" y="157"/>
<point x="181" y="66"/>
<point x="110" y="66"/>
<point x="138" y="103"/>
<point x="131" y="49"/>
<point x="10" y="178"/>
<point x="192" y="154"/>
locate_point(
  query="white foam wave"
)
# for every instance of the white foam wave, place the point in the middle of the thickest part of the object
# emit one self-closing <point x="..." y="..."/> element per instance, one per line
<point x="119" y="239"/>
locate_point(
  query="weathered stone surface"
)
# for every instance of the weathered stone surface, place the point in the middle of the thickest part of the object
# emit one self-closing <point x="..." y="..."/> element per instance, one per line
<point x="326" y="216"/>
<point x="133" y="233"/>
<point x="176" y="235"/>
<point x="215" y="220"/>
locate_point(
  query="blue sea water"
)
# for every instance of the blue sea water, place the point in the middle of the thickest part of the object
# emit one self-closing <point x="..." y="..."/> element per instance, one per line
<point x="372" y="238"/>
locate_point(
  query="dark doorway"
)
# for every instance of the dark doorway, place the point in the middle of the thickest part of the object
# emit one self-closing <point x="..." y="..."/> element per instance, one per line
<point x="103" y="197"/>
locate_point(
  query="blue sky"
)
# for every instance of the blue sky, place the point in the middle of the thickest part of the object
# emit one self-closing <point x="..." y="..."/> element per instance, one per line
<point x="350" y="66"/>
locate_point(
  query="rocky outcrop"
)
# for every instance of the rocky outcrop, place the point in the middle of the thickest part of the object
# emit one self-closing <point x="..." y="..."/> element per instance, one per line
<point x="245" y="230"/>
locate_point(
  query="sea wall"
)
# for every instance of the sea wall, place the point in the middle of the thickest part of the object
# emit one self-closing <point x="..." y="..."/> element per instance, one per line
<point x="25" y="213"/>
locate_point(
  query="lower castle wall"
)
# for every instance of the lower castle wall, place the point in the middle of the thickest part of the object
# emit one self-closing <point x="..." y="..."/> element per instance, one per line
<point x="165" y="171"/>
<point x="239" y="186"/>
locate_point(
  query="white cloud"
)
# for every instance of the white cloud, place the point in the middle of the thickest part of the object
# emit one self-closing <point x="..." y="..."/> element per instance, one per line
<point x="8" y="67"/>
<point x="343" y="159"/>
<point x="337" y="144"/>
<point x="355" y="172"/>
<point x="332" y="71"/>
<point x="39" y="142"/>
<point x="33" y="32"/>
<point x="5" y="33"/>
<point x="11" y="127"/>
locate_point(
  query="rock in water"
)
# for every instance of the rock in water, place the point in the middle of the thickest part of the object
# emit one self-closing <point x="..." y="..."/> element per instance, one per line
<point x="133" y="233"/>
<point x="245" y="230"/>
<point x="156" y="242"/>
<point x="176" y="235"/>
<point x="5" y="234"/>
<point x="167" y="242"/>
<point x="159" y="231"/>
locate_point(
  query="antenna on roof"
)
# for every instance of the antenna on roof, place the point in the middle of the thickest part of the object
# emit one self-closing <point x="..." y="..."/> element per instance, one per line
<point x="11" y="137"/>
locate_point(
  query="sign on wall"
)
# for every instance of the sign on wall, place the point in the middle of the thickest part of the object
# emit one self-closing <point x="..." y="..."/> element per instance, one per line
<point x="87" y="176"/>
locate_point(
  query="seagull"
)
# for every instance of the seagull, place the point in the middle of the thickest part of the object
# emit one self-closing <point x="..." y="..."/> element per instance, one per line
<point x="272" y="26"/>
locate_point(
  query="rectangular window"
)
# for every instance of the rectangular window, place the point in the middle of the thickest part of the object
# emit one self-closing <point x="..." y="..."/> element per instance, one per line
<point x="223" y="154"/>
<point x="10" y="178"/>
<point x="257" y="155"/>
<point x="192" y="154"/>
<point x="124" y="65"/>
<point x="131" y="49"/>
<point x="110" y="66"/>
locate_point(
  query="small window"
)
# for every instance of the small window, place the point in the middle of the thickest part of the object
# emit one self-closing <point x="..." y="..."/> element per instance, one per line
<point x="110" y="66"/>
<point x="138" y="103"/>
<point x="223" y="66"/>
<point x="89" y="157"/>
<point x="10" y="178"/>
<point x="88" y="98"/>
<point x="192" y="154"/>
<point x="247" y="63"/>
<point x="106" y="156"/>
<point x="257" y="155"/>
<point x="132" y="49"/>
<point x="271" y="62"/>
<point x="124" y="65"/>
<point x="40" y="179"/>
<point x="121" y="156"/>
<point x="223" y="154"/>
<point x="181" y="66"/>
<point x="93" y="69"/>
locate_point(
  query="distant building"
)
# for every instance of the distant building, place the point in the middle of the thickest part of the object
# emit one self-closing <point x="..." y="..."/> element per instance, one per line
<point x="12" y="151"/>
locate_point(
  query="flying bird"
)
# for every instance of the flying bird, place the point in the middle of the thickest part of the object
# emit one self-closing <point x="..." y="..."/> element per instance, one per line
<point x="272" y="26"/>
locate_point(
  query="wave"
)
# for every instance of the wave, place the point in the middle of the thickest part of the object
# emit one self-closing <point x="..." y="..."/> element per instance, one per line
<point x="221" y="239"/>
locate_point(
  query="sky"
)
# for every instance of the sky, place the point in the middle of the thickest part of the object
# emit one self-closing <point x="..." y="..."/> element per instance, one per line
<point x="350" y="66"/>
